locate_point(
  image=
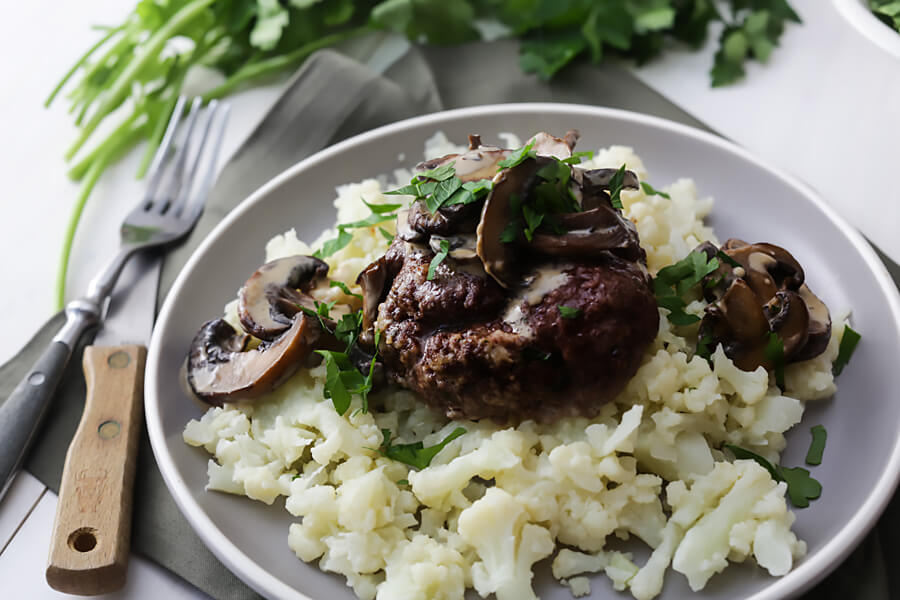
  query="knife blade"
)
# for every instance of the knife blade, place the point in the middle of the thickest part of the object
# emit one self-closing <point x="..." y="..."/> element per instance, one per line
<point x="92" y="530"/>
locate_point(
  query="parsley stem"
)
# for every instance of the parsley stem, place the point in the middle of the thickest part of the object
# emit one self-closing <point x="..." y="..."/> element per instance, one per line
<point x="277" y="63"/>
<point x="111" y="32"/>
<point x="81" y="168"/>
<point x="123" y="143"/>
<point x="121" y="86"/>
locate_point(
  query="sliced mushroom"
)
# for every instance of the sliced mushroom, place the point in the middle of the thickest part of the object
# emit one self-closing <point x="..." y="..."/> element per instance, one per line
<point x="789" y="320"/>
<point x="545" y="144"/>
<point x="269" y="299"/>
<point x="588" y="233"/>
<point x="478" y="163"/>
<point x="592" y="186"/>
<point x="768" y="268"/>
<point x="448" y="220"/>
<point x="220" y="369"/>
<point x="515" y="182"/>
<point x="375" y="281"/>
<point x="738" y="322"/>
<point x="819" y="326"/>
<point x="405" y="232"/>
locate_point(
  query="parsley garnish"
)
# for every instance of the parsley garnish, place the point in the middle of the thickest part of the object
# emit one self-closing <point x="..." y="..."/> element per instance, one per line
<point x="774" y="353"/>
<point x="344" y="288"/>
<point x="343" y="380"/>
<point x="676" y="280"/>
<point x="801" y="487"/>
<point x="817" y="445"/>
<point x="652" y="191"/>
<point x="615" y="188"/>
<point x="517" y="157"/>
<point x="403" y="482"/>
<point x="703" y="346"/>
<point x="441" y="187"/>
<point x="727" y="259"/>
<point x="848" y="344"/>
<point x="381" y="213"/>
<point x="578" y="157"/>
<point x="331" y="246"/>
<point x="438" y="259"/>
<point x="415" y="454"/>
<point x="386" y="234"/>
<point x="567" y="312"/>
<point x="888" y="11"/>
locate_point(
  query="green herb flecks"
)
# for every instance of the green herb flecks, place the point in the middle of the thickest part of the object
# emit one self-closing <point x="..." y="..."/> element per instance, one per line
<point x="673" y="282"/>
<point x="817" y="445"/>
<point x="567" y="312"/>
<point x="343" y="380"/>
<point x="518" y="156"/>
<point x="381" y="213"/>
<point x="615" y="188"/>
<point x="849" y="341"/>
<point x="344" y="288"/>
<point x="415" y="454"/>
<point x="801" y="487"/>
<point x="438" y="259"/>
<point x="652" y="191"/>
<point x="774" y="353"/>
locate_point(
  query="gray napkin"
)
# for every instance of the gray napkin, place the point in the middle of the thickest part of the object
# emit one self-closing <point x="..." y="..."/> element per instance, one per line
<point x="330" y="98"/>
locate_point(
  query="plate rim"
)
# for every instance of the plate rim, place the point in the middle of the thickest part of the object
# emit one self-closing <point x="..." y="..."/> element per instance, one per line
<point x="257" y="577"/>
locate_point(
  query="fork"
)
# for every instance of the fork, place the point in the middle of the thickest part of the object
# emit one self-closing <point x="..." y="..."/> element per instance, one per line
<point x="165" y="215"/>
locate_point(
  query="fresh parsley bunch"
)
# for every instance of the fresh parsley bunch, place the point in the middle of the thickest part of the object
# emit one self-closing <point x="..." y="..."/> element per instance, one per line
<point x="136" y="71"/>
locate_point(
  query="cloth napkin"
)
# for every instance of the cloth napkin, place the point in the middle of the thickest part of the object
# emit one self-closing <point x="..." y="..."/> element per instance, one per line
<point x="331" y="98"/>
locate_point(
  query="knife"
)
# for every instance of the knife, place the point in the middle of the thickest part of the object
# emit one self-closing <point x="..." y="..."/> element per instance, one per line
<point x="92" y="530"/>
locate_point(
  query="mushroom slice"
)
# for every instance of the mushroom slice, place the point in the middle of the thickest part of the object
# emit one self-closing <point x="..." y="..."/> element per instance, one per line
<point x="462" y="247"/>
<point x="600" y="179"/>
<point x="478" y="163"/>
<point x="789" y="319"/>
<point x="269" y="299"/>
<point x="545" y="144"/>
<point x="768" y="268"/>
<point x="589" y="233"/>
<point x="819" y="326"/>
<point x="221" y="370"/>
<point x="404" y="231"/>
<point x="738" y="322"/>
<point x="375" y="281"/>
<point x="515" y="182"/>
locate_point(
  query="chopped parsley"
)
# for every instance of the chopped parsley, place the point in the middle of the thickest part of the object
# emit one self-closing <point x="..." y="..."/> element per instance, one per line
<point x="616" y="184"/>
<point x="578" y="157"/>
<point x="386" y="234"/>
<point x="403" y="482"/>
<point x="415" y="454"/>
<point x="652" y="191"/>
<point x="676" y="280"/>
<point x="727" y="259"/>
<point x="704" y="346"/>
<point x="344" y="288"/>
<point x="801" y="487"/>
<point x="517" y="157"/>
<point x="774" y="353"/>
<point x="816" y="446"/>
<point x="438" y="259"/>
<point x="441" y="187"/>
<point x="343" y="380"/>
<point x="551" y="196"/>
<point x="381" y="213"/>
<point x="567" y="312"/>
<point x="848" y="344"/>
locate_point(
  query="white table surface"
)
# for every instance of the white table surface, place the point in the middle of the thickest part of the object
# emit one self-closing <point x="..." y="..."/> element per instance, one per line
<point x="826" y="108"/>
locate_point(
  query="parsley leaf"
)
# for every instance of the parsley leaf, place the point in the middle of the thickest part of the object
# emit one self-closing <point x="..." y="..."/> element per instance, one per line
<point x="801" y="487"/>
<point x="347" y="329"/>
<point x="547" y="54"/>
<point x="774" y="353"/>
<point x="674" y="281"/>
<point x="615" y="188"/>
<point x="848" y="344"/>
<point x="518" y="156"/>
<point x="442" y="193"/>
<point x="438" y="258"/>
<point x="331" y="246"/>
<point x="652" y="191"/>
<point x="386" y="234"/>
<point x="578" y="157"/>
<point x="380" y="209"/>
<point x="343" y="380"/>
<point x="567" y="312"/>
<point x="817" y="446"/>
<point x="344" y="288"/>
<point x="415" y="454"/>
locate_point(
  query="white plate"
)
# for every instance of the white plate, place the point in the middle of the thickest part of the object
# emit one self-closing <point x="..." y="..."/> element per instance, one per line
<point x="858" y="14"/>
<point x="753" y="202"/>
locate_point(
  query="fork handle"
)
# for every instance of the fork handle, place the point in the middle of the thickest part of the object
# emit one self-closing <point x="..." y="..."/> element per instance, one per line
<point x="21" y="414"/>
<point x="92" y="530"/>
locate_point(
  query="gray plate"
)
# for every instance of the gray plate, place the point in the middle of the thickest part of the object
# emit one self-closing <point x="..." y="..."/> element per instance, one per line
<point x="753" y="201"/>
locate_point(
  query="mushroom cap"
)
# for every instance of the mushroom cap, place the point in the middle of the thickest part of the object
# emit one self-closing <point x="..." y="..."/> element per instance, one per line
<point x="789" y="319"/>
<point x="738" y="322"/>
<point x="768" y="267"/>
<point x="269" y="299"/>
<point x="589" y="233"/>
<point x="221" y="370"/>
<point x="819" y="325"/>
<point x="545" y="144"/>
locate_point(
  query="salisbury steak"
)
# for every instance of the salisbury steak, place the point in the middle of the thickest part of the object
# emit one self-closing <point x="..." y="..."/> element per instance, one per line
<point x="474" y="350"/>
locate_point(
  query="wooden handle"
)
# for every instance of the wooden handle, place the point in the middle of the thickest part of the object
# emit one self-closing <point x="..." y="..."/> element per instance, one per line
<point x="92" y="531"/>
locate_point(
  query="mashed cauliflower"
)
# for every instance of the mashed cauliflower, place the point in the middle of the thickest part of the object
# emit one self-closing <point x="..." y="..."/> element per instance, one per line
<point x="497" y="500"/>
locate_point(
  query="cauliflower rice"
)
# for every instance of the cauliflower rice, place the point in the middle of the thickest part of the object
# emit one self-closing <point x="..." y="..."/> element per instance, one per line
<point x="497" y="500"/>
